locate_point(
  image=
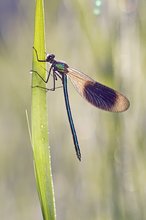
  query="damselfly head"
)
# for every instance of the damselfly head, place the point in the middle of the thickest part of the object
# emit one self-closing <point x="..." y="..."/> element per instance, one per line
<point x="50" y="58"/>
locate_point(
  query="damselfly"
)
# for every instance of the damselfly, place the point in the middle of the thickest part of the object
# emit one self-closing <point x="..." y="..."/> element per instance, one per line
<point x="95" y="93"/>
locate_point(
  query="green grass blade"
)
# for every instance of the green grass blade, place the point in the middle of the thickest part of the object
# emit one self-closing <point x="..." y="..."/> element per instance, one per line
<point x="40" y="142"/>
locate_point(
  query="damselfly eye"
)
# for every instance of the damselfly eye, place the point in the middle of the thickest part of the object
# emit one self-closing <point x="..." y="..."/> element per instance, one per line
<point x="50" y="58"/>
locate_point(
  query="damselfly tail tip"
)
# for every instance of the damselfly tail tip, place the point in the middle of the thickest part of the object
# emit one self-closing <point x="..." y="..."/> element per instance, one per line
<point x="79" y="157"/>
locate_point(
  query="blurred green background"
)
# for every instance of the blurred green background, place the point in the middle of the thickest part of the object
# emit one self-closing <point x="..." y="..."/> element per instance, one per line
<point x="108" y="43"/>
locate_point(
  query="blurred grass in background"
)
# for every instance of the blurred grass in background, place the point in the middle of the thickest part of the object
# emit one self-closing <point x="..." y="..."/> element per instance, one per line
<point x="109" y="183"/>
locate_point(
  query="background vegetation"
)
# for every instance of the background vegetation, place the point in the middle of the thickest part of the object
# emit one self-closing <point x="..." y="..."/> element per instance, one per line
<point x="109" y="46"/>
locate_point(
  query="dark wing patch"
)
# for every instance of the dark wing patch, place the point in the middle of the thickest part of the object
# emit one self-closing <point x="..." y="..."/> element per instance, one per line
<point x="104" y="97"/>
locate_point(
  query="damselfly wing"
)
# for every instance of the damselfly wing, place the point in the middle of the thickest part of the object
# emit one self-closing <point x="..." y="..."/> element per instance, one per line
<point x="97" y="94"/>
